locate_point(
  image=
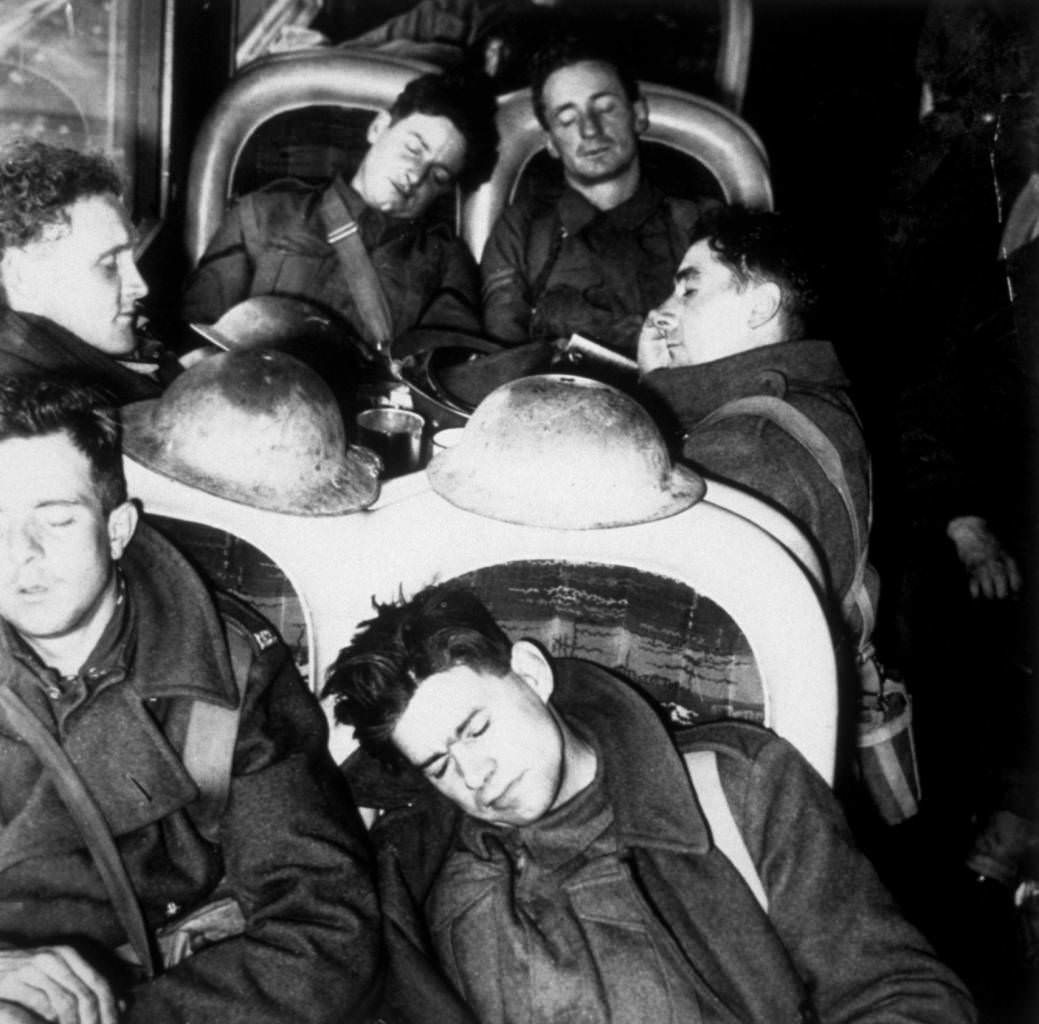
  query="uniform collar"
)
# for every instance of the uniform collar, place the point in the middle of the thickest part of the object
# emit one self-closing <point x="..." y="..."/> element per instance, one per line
<point x="107" y="663"/>
<point x="695" y="391"/>
<point x="164" y="623"/>
<point x="178" y="634"/>
<point x="554" y="840"/>
<point x="376" y="227"/>
<point x="42" y="343"/>
<point x="576" y="213"/>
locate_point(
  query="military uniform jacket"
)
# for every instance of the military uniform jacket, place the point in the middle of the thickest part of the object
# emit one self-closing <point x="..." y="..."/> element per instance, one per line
<point x="832" y="947"/>
<point x="290" y="847"/>
<point x="273" y="242"/>
<point x="756" y="454"/>
<point x="560" y="267"/>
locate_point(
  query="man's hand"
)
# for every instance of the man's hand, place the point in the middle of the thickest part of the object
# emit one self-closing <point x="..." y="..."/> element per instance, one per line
<point x="991" y="569"/>
<point x="53" y="983"/>
<point x="653" y="352"/>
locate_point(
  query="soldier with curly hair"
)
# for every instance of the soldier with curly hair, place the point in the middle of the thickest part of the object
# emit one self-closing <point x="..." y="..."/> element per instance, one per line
<point x="70" y="284"/>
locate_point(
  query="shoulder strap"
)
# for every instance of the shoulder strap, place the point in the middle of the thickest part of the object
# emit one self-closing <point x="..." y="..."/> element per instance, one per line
<point x="812" y="438"/>
<point x="684" y="214"/>
<point x="702" y="766"/>
<point x="547" y="235"/>
<point x="209" y="742"/>
<point x="343" y="234"/>
<point x="83" y="809"/>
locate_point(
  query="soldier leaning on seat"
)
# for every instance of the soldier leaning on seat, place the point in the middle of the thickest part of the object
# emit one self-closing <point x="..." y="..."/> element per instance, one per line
<point x="597" y="257"/>
<point x="543" y="857"/>
<point x="111" y="649"/>
<point x="362" y="247"/>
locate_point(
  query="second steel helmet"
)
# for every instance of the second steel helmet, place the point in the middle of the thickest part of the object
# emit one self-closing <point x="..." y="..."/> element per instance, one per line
<point x="256" y="427"/>
<point x="563" y="452"/>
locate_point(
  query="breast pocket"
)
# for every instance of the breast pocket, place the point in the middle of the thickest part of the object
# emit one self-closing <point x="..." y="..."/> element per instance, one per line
<point x="636" y="983"/>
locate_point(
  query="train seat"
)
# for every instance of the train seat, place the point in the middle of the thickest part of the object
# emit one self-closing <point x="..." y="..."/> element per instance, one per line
<point x="313" y="107"/>
<point x="715" y="148"/>
<point x="744" y="632"/>
<point x="305" y="114"/>
<point x="676" y="645"/>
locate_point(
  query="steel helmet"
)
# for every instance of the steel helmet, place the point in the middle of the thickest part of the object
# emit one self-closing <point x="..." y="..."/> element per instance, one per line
<point x="257" y="427"/>
<point x="269" y="321"/>
<point x="564" y="452"/>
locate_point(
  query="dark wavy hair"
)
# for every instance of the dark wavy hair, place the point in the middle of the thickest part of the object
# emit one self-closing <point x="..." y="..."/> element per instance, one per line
<point x="39" y="182"/>
<point x="761" y="246"/>
<point x="567" y="51"/>
<point x="37" y="406"/>
<point x="466" y="98"/>
<point x="374" y="678"/>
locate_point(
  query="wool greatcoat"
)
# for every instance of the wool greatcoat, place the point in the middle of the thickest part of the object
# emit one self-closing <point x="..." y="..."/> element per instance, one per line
<point x="272" y="242"/>
<point x="290" y="847"/>
<point x="832" y="947"/>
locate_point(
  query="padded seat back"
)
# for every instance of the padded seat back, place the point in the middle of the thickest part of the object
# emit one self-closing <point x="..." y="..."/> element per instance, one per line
<point x="721" y="142"/>
<point x="679" y="647"/>
<point x="265" y="90"/>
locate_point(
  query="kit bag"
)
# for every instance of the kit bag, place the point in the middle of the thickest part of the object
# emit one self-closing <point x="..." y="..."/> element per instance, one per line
<point x="886" y="758"/>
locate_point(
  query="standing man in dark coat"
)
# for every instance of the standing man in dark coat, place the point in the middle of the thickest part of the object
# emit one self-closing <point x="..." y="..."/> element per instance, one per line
<point x="70" y="284"/>
<point x="282" y="240"/>
<point x="190" y="734"/>
<point x="595" y="259"/>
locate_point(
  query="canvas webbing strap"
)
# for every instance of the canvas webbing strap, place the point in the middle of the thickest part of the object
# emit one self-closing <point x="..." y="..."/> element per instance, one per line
<point x="809" y="435"/>
<point x="343" y="234"/>
<point x="209" y="744"/>
<point x="87" y="815"/>
<point x="703" y="771"/>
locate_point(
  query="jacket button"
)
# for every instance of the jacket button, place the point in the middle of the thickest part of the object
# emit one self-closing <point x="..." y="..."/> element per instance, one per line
<point x="172" y="909"/>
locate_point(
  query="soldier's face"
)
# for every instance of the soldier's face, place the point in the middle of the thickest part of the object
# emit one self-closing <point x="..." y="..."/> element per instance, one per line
<point x="82" y="275"/>
<point x="57" y="545"/>
<point x="488" y="742"/>
<point x="707" y="316"/>
<point x="593" y="127"/>
<point x="410" y="163"/>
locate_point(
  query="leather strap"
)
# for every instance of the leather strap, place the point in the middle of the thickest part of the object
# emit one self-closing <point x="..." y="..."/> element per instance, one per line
<point x="343" y="234"/>
<point x="87" y="815"/>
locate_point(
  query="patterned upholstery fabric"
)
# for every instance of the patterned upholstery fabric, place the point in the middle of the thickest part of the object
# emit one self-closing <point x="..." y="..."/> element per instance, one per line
<point x="675" y="644"/>
<point x="237" y="567"/>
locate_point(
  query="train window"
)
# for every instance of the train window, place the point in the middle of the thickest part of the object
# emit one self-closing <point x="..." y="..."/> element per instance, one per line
<point x="70" y="74"/>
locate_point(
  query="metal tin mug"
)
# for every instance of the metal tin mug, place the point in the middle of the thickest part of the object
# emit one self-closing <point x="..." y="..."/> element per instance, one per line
<point x="395" y="435"/>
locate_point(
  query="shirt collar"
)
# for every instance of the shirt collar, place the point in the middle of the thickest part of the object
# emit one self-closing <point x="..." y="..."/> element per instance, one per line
<point x="695" y="391"/>
<point x="376" y="227"/>
<point x="107" y="663"/>
<point x="560" y="836"/>
<point x="576" y="213"/>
